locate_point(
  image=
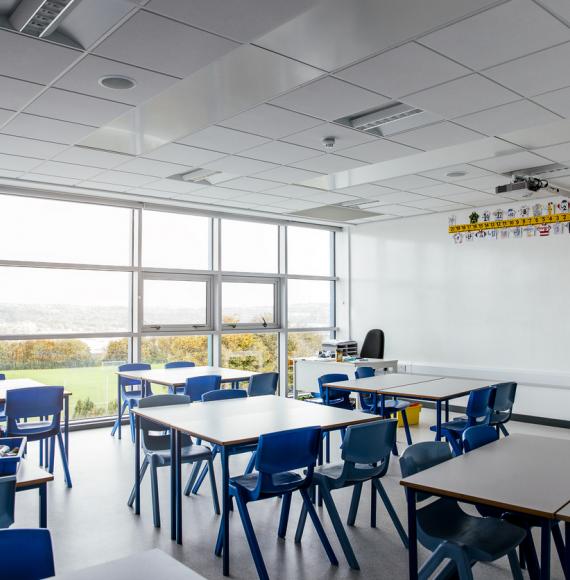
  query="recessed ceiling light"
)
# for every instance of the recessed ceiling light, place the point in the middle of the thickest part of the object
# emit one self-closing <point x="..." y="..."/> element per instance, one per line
<point x="117" y="82"/>
<point x="456" y="174"/>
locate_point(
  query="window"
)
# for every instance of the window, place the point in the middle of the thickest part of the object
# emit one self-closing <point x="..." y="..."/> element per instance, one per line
<point x="59" y="301"/>
<point x="249" y="302"/>
<point x="158" y="350"/>
<point x="310" y="303"/>
<point x="303" y="344"/>
<point x="250" y="352"/>
<point x="249" y="247"/>
<point x="175" y="301"/>
<point x="64" y="232"/>
<point x="171" y="240"/>
<point x="309" y="251"/>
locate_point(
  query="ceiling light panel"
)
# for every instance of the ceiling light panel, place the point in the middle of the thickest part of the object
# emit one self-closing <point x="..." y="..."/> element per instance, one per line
<point x="40" y="17"/>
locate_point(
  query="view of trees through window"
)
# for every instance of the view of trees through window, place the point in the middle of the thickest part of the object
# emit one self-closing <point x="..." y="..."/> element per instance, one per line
<point x="74" y="324"/>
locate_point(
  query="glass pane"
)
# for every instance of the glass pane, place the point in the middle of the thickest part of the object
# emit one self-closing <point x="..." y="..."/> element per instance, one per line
<point x="250" y="352"/>
<point x="158" y="350"/>
<point x="247" y="303"/>
<point x="303" y="344"/>
<point x="175" y="302"/>
<point x="172" y="240"/>
<point x="48" y="301"/>
<point x="43" y="230"/>
<point x="85" y="367"/>
<point x="249" y="247"/>
<point x="308" y="251"/>
<point x="309" y="303"/>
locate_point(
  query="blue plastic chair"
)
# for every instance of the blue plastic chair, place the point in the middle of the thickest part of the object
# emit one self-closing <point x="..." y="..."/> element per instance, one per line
<point x="278" y="455"/>
<point x="26" y="554"/>
<point x="337" y="398"/>
<point x="132" y="391"/>
<point x="223" y="395"/>
<point x="391" y="406"/>
<point x="2" y="413"/>
<point x="263" y="384"/>
<point x="475" y="437"/>
<point x="366" y="456"/>
<point x="178" y="364"/>
<point x="450" y="533"/>
<point x="196" y="386"/>
<point x="478" y="412"/>
<point x="7" y="501"/>
<point x="502" y="403"/>
<point x="38" y="403"/>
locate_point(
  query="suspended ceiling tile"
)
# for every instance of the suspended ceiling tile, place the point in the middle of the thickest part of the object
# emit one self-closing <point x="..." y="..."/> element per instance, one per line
<point x="240" y="165"/>
<point x="328" y="197"/>
<point x="28" y="147"/>
<point x="271" y="122"/>
<point x="34" y="127"/>
<point x="378" y="150"/>
<point x="183" y="155"/>
<point x="366" y="190"/>
<point x="67" y="170"/>
<point x="295" y="191"/>
<point x="408" y="182"/>
<point x="559" y="7"/>
<point x="516" y="161"/>
<point x="442" y="190"/>
<point x="261" y="199"/>
<point x="14" y="93"/>
<point x="251" y="184"/>
<point x="330" y="99"/>
<point x="343" y="137"/>
<point x="10" y="174"/>
<point x="469" y="172"/>
<point x="163" y="45"/>
<point x="5" y="114"/>
<point x="403" y="70"/>
<point x="557" y="101"/>
<point x="16" y="163"/>
<point x="32" y="59"/>
<point x="537" y="73"/>
<point x="84" y="78"/>
<point x="462" y="96"/>
<point x="476" y="198"/>
<point x="280" y="152"/>
<point x="288" y="174"/>
<point x="76" y="108"/>
<point x="404" y="197"/>
<point x="507" y="118"/>
<point x="540" y="136"/>
<point x="328" y="163"/>
<point x="173" y="186"/>
<point x="297" y="204"/>
<point x="122" y="178"/>
<point x="559" y="153"/>
<point x="486" y="183"/>
<point x="91" y="157"/>
<point x="57" y="180"/>
<point x="400" y="210"/>
<point x="436" y="136"/>
<point x="152" y="167"/>
<point x="222" y="139"/>
<point x="98" y="185"/>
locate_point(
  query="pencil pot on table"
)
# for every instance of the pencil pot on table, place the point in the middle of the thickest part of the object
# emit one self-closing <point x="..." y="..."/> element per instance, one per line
<point x="10" y="463"/>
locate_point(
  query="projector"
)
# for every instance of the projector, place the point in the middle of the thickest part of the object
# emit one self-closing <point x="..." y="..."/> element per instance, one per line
<point x="527" y="186"/>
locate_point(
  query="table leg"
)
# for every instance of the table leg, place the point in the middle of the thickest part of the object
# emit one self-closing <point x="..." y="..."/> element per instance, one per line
<point x="320" y="462"/>
<point x="178" y="454"/>
<point x="447" y="410"/>
<point x="172" y="484"/>
<point x="567" y="550"/>
<point x="438" y="420"/>
<point x="545" y="550"/>
<point x="66" y="426"/>
<point x="137" y="464"/>
<point x="412" y="534"/>
<point x="382" y="404"/>
<point x="119" y="410"/>
<point x="225" y="510"/>
<point x="43" y="505"/>
<point x="374" y="402"/>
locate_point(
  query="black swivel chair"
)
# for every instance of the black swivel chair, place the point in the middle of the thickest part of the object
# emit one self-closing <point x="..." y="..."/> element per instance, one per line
<point x="373" y="345"/>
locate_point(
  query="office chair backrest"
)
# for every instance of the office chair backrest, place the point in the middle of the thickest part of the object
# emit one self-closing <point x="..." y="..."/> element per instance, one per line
<point x="26" y="554"/>
<point x="263" y="384"/>
<point x="373" y="345"/>
<point x="364" y="372"/>
<point x="474" y="437"/>
<point x="7" y="502"/>
<point x="223" y="395"/>
<point x="196" y="386"/>
<point x="124" y="382"/>
<point x="478" y="410"/>
<point x="33" y="403"/>
<point x="333" y="393"/>
<point x="179" y="364"/>
<point x="503" y="397"/>
<point x="421" y="456"/>
<point x="155" y="437"/>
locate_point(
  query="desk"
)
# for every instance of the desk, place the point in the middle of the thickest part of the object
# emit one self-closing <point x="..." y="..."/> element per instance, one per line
<point x="31" y="477"/>
<point x="231" y="424"/>
<point x="13" y="384"/>
<point x="519" y="473"/>
<point x="176" y="377"/>
<point x="149" y="565"/>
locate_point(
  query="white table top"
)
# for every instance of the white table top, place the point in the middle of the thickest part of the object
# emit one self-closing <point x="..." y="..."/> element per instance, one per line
<point x="380" y="383"/>
<point x="178" y="376"/>
<point x="13" y="384"/>
<point x="149" y="565"/>
<point x="359" y="362"/>
<point x="441" y="389"/>
<point x="239" y="421"/>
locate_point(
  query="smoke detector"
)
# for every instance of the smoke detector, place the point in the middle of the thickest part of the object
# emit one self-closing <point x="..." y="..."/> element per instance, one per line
<point x="329" y="142"/>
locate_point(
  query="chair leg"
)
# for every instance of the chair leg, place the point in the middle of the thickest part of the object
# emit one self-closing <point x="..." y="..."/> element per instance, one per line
<point x="155" y="496"/>
<point x="354" y="503"/>
<point x="455" y="446"/>
<point x="192" y="479"/>
<point x="503" y="429"/>
<point x="250" y="464"/>
<point x="201" y="477"/>
<point x="319" y="527"/>
<point x="51" y="455"/>
<point x="142" y="472"/>
<point x="251" y="539"/>
<point x="328" y="447"/>
<point x="529" y="556"/>
<point x="515" y="566"/>
<point x="213" y="487"/>
<point x="558" y="542"/>
<point x="64" y="460"/>
<point x="391" y="512"/>
<point x="41" y="442"/>
<point x="116" y="424"/>
<point x="460" y="564"/>
<point x="406" y="427"/>
<point x="284" y="518"/>
<point x="132" y="424"/>
<point x="301" y="524"/>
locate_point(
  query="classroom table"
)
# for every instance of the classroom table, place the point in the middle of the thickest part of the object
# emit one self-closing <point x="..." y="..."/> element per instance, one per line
<point x="232" y="424"/>
<point x="176" y="377"/>
<point x="148" y="565"/>
<point x="520" y="473"/>
<point x="29" y="477"/>
<point x="13" y="384"/>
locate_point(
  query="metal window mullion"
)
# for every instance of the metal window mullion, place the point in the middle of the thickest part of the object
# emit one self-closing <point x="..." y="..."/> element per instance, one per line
<point x="63" y="266"/>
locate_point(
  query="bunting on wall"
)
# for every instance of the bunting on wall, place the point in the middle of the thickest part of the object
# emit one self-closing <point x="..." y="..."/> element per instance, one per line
<point x="552" y="218"/>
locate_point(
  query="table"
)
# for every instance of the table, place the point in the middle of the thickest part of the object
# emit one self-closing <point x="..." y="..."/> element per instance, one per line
<point x="232" y="424"/>
<point x="176" y="377"/>
<point x="519" y="473"/>
<point x="148" y="565"/>
<point x="31" y="477"/>
<point x="12" y="384"/>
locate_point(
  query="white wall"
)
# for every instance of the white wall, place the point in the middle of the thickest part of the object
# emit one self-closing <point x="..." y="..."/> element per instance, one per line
<point x="488" y="308"/>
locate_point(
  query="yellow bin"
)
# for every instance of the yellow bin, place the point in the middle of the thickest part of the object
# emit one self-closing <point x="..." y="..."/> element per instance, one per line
<point x="413" y="413"/>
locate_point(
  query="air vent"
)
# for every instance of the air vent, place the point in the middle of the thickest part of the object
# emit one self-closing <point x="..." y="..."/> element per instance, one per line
<point x="39" y="17"/>
<point x="389" y="120"/>
<point x="198" y="175"/>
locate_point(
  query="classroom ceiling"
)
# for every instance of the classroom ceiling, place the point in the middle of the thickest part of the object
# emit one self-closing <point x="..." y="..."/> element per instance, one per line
<point x="247" y="90"/>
